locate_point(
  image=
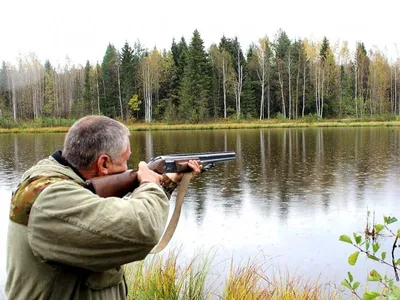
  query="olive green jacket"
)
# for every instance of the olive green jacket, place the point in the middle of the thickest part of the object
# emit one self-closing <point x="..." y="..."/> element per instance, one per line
<point x="76" y="243"/>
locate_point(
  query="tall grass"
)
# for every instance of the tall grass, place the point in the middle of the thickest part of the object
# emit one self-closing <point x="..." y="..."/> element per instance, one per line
<point x="250" y="282"/>
<point x="163" y="278"/>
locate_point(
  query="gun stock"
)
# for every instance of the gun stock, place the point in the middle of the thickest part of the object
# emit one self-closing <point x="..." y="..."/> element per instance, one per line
<point x="116" y="185"/>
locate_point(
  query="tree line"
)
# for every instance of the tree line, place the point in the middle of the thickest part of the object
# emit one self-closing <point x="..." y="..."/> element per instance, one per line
<point x="279" y="77"/>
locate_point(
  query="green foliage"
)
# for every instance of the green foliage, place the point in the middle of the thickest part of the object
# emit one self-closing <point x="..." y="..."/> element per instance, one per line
<point x="196" y="83"/>
<point x="49" y="97"/>
<point x="189" y="77"/>
<point x="5" y="99"/>
<point x="371" y="248"/>
<point x="324" y="49"/>
<point x="232" y="46"/>
<point x="88" y="90"/>
<point x="109" y="103"/>
<point x="128" y="76"/>
<point x="7" y="122"/>
<point x="134" y="103"/>
<point x="311" y="118"/>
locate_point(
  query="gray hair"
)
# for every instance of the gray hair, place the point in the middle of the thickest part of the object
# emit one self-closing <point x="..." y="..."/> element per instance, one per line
<point x="93" y="136"/>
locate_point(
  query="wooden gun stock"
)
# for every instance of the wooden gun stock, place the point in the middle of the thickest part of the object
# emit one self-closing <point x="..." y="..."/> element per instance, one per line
<point x="116" y="185"/>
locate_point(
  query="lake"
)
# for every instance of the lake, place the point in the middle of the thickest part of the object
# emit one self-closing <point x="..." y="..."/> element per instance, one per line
<point x="285" y="200"/>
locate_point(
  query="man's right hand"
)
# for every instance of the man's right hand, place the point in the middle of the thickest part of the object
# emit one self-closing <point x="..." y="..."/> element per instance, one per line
<point x="147" y="175"/>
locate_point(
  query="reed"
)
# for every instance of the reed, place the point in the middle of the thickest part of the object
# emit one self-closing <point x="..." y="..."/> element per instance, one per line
<point x="163" y="278"/>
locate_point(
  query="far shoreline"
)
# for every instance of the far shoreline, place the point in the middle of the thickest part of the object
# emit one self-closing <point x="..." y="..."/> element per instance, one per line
<point x="156" y="126"/>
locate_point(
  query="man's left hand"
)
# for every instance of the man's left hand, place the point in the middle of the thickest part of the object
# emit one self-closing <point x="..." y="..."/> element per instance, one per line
<point x="196" y="167"/>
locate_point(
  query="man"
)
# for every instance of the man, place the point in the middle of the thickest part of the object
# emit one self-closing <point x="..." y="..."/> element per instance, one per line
<point x="65" y="242"/>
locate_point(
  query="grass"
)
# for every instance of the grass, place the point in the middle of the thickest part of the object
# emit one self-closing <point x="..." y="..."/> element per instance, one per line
<point x="158" y="278"/>
<point x="164" y="278"/>
<point x="46" y="127"/>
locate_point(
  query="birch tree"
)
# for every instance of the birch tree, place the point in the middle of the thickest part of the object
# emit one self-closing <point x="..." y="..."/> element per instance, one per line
<point x="262" y="65"/>
<point x="149" y="76"/>
<point x="238" y="82"/>
<point x="223" y="63"/>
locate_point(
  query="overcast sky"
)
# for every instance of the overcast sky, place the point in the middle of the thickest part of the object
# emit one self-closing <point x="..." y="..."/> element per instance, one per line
<point x="82" y="29"/>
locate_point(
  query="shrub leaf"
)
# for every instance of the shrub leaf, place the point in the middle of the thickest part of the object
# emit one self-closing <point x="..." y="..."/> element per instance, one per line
<point x="353" y="258"/>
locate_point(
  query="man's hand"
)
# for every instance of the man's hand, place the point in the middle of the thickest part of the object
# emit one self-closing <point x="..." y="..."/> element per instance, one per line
<point x="146" y="175"/>
<point x="193" y="164"/>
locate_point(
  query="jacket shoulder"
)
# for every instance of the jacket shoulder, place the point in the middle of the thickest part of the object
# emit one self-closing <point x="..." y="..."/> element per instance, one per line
<point x="26" y="194"/>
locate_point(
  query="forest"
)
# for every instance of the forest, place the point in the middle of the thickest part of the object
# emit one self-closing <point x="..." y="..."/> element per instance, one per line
<point x="274" y="78"/>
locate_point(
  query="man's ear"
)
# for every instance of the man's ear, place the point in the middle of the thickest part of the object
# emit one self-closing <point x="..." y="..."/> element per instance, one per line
<point x="103" y="164"/>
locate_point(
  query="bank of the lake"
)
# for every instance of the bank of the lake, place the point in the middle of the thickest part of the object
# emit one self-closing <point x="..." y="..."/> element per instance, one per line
<point x="273" y="123"/>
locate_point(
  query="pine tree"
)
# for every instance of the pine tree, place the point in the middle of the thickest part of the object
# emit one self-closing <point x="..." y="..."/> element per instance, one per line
<point x="179" y="54"/>
<point x="196" y="83"/>
<point x="166" y="82"/>
<point x="5" y="92"/>
<point x="324" y="48"/>
<point x="282" y="47"/>
<point x="361" y="77"/>
<point x="87" y="90"/>
<point x="249" y="107"/>
<point x="128" y="76"/>
<point x="78" y="107"/>
<point x="49" y="97"/>
<point x="110" y="103"/>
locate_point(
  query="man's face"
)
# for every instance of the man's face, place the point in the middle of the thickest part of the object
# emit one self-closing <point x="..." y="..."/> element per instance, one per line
<point x="120" y="165"/>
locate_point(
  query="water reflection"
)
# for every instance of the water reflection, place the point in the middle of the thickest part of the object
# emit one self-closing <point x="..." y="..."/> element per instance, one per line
<point x="290" y="193"/>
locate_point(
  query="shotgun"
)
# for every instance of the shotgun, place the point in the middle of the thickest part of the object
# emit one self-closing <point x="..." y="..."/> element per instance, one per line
<point x="118" y="185"/>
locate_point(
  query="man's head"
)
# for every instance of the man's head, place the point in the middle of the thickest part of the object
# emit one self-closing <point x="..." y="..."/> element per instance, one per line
<point x="97" y="145"/>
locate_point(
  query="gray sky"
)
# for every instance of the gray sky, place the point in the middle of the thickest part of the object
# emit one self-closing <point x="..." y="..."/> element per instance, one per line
<point x="82" y="29"/>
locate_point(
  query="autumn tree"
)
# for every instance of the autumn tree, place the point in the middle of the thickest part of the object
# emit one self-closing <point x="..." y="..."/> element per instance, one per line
<point x="379" y="84"/>
<point x="149" y="77"/>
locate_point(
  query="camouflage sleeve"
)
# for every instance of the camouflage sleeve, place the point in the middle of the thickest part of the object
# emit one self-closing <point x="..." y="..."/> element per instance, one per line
<point x="168" y="185"/>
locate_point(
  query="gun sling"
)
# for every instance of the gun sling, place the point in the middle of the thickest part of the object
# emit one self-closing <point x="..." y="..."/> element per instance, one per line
<point x="173" y="223"/>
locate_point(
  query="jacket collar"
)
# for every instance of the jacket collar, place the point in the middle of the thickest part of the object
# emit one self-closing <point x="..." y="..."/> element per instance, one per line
<point x="57" y="155"/>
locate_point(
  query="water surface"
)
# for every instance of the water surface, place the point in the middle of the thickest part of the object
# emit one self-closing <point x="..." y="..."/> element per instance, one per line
<point x="285" y="200"/>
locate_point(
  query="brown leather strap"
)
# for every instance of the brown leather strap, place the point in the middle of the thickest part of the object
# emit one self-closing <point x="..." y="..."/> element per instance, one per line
<point x="173" y="223"/>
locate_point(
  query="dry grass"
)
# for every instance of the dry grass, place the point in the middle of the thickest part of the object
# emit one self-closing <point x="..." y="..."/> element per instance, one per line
<point x="158" y="278"/>
<point x="250" y="282"/>
<point x="34" y="130"/>
<point x="274" y="123"/>
<point x="163" y="278"/>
